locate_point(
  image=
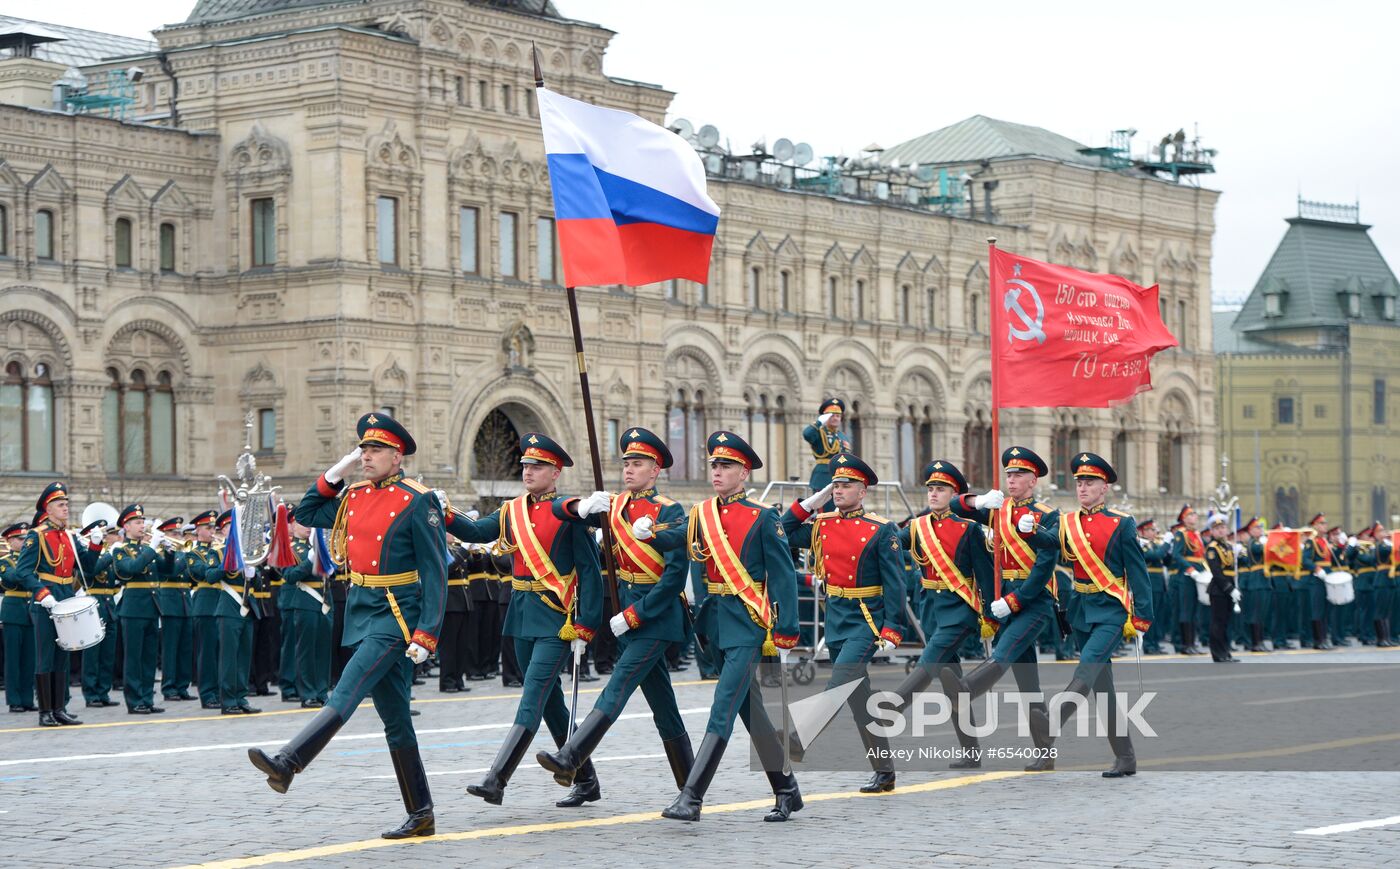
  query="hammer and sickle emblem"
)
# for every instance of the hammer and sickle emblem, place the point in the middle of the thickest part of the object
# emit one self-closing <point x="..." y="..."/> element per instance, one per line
<point x="1031" y="328"/>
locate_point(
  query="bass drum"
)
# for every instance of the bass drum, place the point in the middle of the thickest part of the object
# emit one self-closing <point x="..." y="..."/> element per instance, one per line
<point x="77" y="623"/>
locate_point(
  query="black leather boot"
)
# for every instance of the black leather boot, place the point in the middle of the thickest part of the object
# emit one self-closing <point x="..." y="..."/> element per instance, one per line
<point x="877" y="748"/>
<point x="1124" y="760"/>
<point x="1256" y="638"/>
<point x="686" y="806"/>
<point x="585" y="788"/>
<point x="60" y="711"/>
<point x="680" y="756"/>
<point x="43" y="690"/>
<point x="788" y="798"/>
<point x="977" y="683"/>
<point x="1320" y="641"/>
<point x="1040" y="725"/>
<point x="297" y="754"/>
<point x="413" y="787"/>
<point x="971" y="747"/>
<point x="493" y="789"/>
<point x="565" y="762"/>
<point x="918" y="679"/>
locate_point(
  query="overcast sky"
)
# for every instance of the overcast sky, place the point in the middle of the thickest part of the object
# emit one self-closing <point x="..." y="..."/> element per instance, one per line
<point x="1296" y="96"/>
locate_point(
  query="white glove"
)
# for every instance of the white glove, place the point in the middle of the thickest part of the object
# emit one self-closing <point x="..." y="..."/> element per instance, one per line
<point x="596" y="503"/>
<point x="1144" y="543"/>
<point x="1026" y="524"/>
<point x="95" y="535"/>
<point x="1320" y="573"/>
<point x="157" y="540"/>
<point x="1169" y="537"/>
<point x="577" y="647"/>
<point x="473" y="515"/>
<point x="821" y="420"/>
<point x="337" y="470"/>
<point x="442" y="498"/>
<point x="1352" y="541"/>
<point x="249" y="571"/>
<point x="598" y="536"/>
<point x="1000" y="608"/>
<point x="416" y="653"/>
<point x="783" y="656"/>
<point x="1201" y="576"/>
<point x="49" y="602"/>
<point x="81" y="592"/>
<point x="989" y="500"/>
<point x="1235" y="595"/>
<point x="641" y="529"/>
<point x="1240" y="550"/>
<point x="813" y="503"/>
<point x="619" y="625"/>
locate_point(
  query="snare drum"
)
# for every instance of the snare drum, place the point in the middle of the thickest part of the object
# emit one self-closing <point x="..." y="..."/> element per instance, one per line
<point x="77" y="623"/>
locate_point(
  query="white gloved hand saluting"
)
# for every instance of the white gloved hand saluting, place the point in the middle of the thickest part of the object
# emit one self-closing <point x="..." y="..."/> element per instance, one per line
<point x="619" y="625"/>
<point x="1026" y="524"/>
<point x="641" y="529"/>
<point x="1000" y="608"/>
<point x="337" y="471"/>
<point x="989" y="500"/>
<point x="416" y="653"/>
<point x="813" y="503"/>
<point x="821" y="420"/>
<point x="596" y="503"/>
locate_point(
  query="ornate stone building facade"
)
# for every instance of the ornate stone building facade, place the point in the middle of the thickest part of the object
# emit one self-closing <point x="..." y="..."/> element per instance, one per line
<point x="327" y="208"/>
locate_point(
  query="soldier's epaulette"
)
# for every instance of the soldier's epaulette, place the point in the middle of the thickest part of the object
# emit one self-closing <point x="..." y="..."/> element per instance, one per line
<point x="827" y="515"/>
<point x="359" y="485"/>
<point x="876" y="518"/>
<point x="663" y="500"/>
<point x="1043" y="507"/>
<point x="414" y="485"/>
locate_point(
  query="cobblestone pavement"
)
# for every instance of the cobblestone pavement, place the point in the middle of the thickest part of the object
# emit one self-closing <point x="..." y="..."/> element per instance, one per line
<point x="177" y="789"/>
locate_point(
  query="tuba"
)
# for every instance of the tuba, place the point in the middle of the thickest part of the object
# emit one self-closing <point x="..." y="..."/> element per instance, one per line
<point x="254" y="496"/>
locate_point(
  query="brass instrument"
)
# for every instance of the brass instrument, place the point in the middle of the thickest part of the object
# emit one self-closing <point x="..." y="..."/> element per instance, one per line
<point x="253" y="496"/>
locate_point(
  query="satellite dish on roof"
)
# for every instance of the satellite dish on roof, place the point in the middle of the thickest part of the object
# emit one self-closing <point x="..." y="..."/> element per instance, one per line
<point x="783" y="150"/>
<point x="708" y="136"/>
<point x="683" y="128"/>
<point x="802" y="154"/>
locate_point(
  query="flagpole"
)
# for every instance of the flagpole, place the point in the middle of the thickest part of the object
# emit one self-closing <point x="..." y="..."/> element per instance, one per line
<point x="996" y="410"/>
<point x="594" y="453"/>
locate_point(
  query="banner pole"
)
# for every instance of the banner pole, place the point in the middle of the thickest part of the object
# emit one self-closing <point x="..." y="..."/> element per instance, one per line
<point x="996" y="409"/>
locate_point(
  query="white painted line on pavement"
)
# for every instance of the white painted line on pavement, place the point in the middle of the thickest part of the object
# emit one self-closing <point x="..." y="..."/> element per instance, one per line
<point x="1348" y="828"/>
<point x="1303" y="698"/>
<point x="482" y="769"/>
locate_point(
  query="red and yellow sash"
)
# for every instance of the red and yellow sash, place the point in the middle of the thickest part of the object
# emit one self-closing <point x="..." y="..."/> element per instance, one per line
<point x="536" y="557"/>
<point x="1394" y="553"/>
<point x="731" y="570"/>
<point x="943" y="563"/>
<point x="642" y="555"/>
<point x="1015" y="544"/>
<point x="1195" y="548"/>
<point x="1075" y="539"/>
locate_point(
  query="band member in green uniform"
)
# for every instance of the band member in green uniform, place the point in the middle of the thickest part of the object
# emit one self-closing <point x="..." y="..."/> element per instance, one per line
<point x="648" y="532"/>
<point x="1110" y="576"/>
<point x="99" y="661"/>
<point x="234" y="611"/>
<point x="1156" y="553"/>
<point x="138" y="567"/>
<point x="556" y="602"/>
<point x="1319" y="559"/>
<point x="19" y="629"/>
<point x="307" y="618"/>
<point x="176" y="625"/>
<point x="955" y="574"/>
<point x="1257" y="592"/>
<point x="857" y="558"/>
<point x="753" y="587"/>
<point x="202" y="556"/>
<point x="387" y="532"/>
<point x="826" y="440"/>
<point x="49" y="568"/>
<point x="1188" y="559"/>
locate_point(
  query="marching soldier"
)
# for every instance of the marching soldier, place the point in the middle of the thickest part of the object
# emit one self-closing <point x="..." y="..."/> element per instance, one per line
<point x="388" y="531"/>
<point x="1287" y="595"/>
<point x="826" y="440"/>
<point x="1110" y="575"/>
<point x="283" y="591"/>
<point x="955" y="574"/>
<point x="501" y="566"/>
<point x="1156" y="554"/>
<point x="1387" y="579"/>
<point x="138" y="567"/>
<point x="234" y="610"/>
<point x="555" y="606"/>
<point x="1361" y="555"/>
<point x="649" y="540"/>
<point x="49" y="566"/>
<point x="483" y="639"/>
<point x="1318" y="561"/>
<point x="19" y="629"/>
<point x="1188" y="558"/>
<point x="99" y="662"/>
<point x="753" y="588"/>
<point x="204" y="600"/>
<point x="1028" y="589"/>
<point x="176" y="625"/>
<point x="1224" y="570"/>
<point x="454" y="652"/>
<point x="307" y="620"/>
<point x="1258" y="593"/>
<point x="856" y="556"/>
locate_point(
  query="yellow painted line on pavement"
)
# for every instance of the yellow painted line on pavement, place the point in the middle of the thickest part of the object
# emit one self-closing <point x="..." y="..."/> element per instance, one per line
<point x="586" y="823"/>
<point x="146" y="721"/>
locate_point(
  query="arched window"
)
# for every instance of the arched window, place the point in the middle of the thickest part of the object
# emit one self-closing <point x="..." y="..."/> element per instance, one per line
<point x="831" y="287"/>
<point x="43" y="234"/>
<point x="765" y="401"/>
<point x="138" y="424"/>
<point x="1286" y="506"/>
<point x="974" y="312"/>
<point x="685" y="435"/>
<point x="978" y="462"/>
<point x="4" y="231"/>
<point x="785" y="290"/>
<point x="905" y="292"/>
<point x="1120" y="459"/>
<point x="1170" y="458"/>
<point x="121" y="242"/>
<point x="1066" y="446"/>
<point x="931" y="308"/>
<point x="755" y="287"/>
<point x="852" y="425"/>
<point x="26" y="418"/>
<point x="858" y="301"/>
<point x="167" y="247"/>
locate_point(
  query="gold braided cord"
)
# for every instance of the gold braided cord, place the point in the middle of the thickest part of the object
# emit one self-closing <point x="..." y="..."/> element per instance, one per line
<point x="503" y="544"/>
<point x="338" y="534"/>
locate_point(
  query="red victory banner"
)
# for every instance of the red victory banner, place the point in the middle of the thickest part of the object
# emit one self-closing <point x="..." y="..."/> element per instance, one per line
<point x="1066" y="338"/>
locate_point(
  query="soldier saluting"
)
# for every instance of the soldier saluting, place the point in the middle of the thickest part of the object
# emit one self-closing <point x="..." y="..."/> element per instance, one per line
<point x="857" y="558"/>
<point x="387" y="531"/>
<point x="749" y="570"/>
<point x="649" y="535"/>
<point x="1115" y="600"/>
<point x="826" y="440"/>
<point x="556" y="601"/>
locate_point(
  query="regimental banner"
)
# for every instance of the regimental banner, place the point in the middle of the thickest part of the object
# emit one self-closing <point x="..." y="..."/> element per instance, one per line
<point x="1067" y="338"/>
<point x="1283" y="551"/>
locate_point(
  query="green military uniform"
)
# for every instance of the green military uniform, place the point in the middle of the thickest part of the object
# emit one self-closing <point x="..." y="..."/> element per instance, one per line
<point x="651" y="594"/>
<point x="1188" y="556"/>
<point x="753" y="589"/>
<point x="1156" y="555"/>
<point x="138" y="569"/>
<point x="100" y="661"/>
<point x="557" y="597"/>
<point x="1255" y="587"/>
<point x="1363" y="561"/>
<point x="203" y="602"/>
<point x="307" y="620"/>
<point x="1387" y="588"/>
<point x="1318" y="557"/>
<point x="858" y="559"/>
<point x="283" y="590"/>
<point x="235" y="608"/>
<point x="18" y="628"/>
<point x="825" y="444"/>
<point x="176" y="622"/>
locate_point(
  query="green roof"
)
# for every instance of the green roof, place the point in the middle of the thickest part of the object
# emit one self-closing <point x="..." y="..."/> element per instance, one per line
<point x="980" y="137"/>
<point x="1316" y="265"/>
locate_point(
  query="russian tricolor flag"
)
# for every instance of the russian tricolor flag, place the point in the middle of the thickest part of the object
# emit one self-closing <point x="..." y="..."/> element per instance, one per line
<point x="629" y="197"/>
